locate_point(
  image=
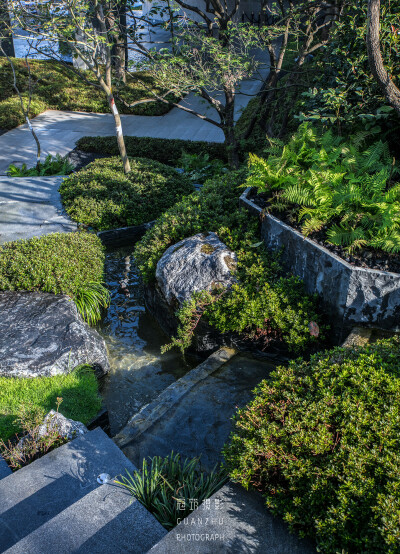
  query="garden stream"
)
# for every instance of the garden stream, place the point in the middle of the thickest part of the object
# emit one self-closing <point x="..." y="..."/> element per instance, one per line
<point x="139" y="372"/>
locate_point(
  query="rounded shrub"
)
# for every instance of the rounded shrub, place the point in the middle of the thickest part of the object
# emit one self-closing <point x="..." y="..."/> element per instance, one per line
<point x="103" y="197"/>
<point x="60" y="263"/>
<point x="321" y="441"/>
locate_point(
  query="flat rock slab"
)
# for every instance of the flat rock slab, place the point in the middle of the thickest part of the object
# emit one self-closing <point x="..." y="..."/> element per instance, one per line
<point x="31" y="207"/>
<point x="234" y="520"/>
<point x="43" y="334"/>
<point x="56" y="506"/>
<point x="199" y="423"/>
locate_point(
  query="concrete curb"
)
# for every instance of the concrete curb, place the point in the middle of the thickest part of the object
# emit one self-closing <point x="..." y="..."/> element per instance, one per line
<point x="154" y="411"/>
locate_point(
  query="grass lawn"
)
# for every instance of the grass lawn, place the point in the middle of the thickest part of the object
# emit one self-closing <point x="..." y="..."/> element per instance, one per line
<point x="56" y="87"/>
<point x="78" y="389"/>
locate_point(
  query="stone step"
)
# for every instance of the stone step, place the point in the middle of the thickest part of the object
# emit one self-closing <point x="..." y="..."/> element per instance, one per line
<point x="234" y="520"/>
<point x="56" y="506"/>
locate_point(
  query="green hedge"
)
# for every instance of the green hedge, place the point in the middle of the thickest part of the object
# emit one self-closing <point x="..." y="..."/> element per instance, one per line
<point x="166" y="151"/>
<point x="265" y="301"/>
<point x="61" y="263"/>
<point x="321" y="441"/>
<point x="103" y="197"/>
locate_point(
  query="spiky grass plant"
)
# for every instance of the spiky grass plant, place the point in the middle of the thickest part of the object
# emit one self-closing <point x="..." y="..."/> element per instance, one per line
<point x="330" y="183"/>
<point x="90" y="299"/>
<point x="171" y="488"/>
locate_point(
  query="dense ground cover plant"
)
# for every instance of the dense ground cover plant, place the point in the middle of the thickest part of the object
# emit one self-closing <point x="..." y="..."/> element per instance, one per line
<point x="60" y="263"/>
<point x="320" y="440"/>
<point x="52" y="165"/>
<point x="331" y="184"/>
<point x="58" y="88"/>
<point x="166" y="151"/>
<point x="199" y="167"/>
<point x="102" y="196"/>
<point x="37" y="396"/>
<point x="264" y="299"/>
<point x="171" y="488"/>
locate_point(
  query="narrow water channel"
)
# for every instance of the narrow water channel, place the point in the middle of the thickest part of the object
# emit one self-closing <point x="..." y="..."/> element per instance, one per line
<point x="138" y="370"/>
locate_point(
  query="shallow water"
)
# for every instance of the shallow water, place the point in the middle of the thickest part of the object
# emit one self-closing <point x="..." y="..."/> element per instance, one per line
<point x="138" y="370"/>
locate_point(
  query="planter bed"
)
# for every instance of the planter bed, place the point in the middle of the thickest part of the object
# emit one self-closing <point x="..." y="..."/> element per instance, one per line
<point x="351" y="294"/>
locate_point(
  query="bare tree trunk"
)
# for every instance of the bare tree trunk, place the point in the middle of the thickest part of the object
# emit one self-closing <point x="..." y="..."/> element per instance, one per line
<point x="120" y="136"/>
<point x="107" y="87"/>
<point x="228" y="127"/>
<point x="391" y="92"/>
<point x="6" y="38"/>
<point x="119" y="48"/>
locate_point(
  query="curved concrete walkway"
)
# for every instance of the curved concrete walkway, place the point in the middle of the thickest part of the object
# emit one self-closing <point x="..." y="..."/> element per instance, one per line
<point x="58" y="131"/>
<point x="32" y="207"/>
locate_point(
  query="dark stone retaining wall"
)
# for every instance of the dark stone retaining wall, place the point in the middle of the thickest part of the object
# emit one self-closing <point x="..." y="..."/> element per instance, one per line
<point x="124" y="236"/>
<point x="352" y="295"/>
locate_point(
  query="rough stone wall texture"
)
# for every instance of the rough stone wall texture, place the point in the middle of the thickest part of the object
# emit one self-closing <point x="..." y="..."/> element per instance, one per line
<point x="352" y="295"/>
<point x="43" y="334"/>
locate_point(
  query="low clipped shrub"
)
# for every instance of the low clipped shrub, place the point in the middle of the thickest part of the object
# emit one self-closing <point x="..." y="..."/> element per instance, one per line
<point x="11" y="114"/>
<point x="320" y="440"/>
<point x="166" y="151"/>
<point x="60" y="263"/>
<point x="102" y="196"/>
<point x="264" y="301"/>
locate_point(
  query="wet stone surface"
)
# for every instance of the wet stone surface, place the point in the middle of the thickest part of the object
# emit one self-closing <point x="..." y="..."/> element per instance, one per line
<point x="133" y="338"/>
<point x="200" y="423"/>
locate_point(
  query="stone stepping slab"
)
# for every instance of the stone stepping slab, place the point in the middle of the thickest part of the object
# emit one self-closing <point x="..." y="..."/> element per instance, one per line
<point x="56" y="506"/>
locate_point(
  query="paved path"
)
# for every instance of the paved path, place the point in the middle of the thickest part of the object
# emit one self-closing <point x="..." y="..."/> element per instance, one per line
<point x="58" y="131"/>
<point x="31" y="206"/>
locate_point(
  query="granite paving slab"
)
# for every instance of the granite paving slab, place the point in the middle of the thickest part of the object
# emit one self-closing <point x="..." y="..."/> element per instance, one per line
<point x="232" y="521"/>
<point x="56" y="506"/>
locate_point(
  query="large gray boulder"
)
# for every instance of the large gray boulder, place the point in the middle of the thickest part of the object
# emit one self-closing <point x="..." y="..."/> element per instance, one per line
<point x="201" y="262"/>
<point x="42" y="334"/>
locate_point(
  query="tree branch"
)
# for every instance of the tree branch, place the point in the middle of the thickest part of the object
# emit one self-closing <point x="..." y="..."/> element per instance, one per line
<point x="391" y="92"/>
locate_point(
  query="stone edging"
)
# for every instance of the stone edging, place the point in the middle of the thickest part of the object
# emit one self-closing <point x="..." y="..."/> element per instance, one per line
<point x="154" y="411"/>
<point x="124" y="235"/>
<point x="351" y="295"/>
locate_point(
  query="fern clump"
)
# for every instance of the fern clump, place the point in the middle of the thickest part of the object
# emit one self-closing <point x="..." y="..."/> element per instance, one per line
<point x="332" y="184"/>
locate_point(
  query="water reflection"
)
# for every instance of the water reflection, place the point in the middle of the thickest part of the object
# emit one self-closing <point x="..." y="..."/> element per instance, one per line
<point x="138" y="371"/>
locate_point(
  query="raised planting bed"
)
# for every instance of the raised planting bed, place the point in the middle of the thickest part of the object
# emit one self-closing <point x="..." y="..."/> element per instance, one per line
<point x="350" y="294"/>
